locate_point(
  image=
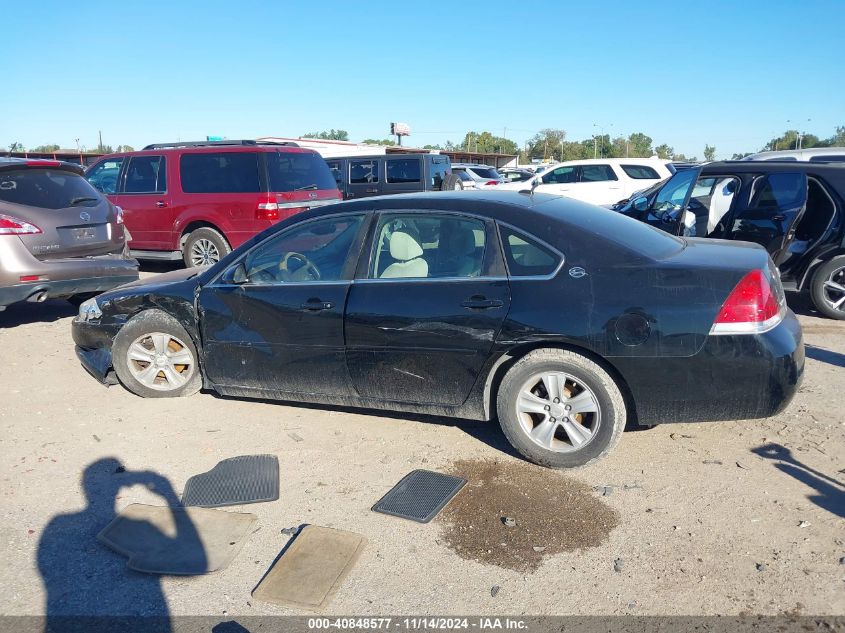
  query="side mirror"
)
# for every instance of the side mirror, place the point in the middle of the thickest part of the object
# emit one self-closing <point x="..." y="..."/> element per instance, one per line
<point x="236" y="275"/>
<point x="640" y="204"/>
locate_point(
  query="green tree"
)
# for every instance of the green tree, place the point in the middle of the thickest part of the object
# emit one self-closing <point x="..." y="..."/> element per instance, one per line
<point x="740" y="155"/>
<point x="709" y="152"/>
<point x="664" y="151"/>
<point x="125" y="148"/>
<point x="431" y="147"/>
<point x="373" y="141"/>
<point x="487" y="143"/>
<point x="547" y="143"/>
<point x="44" y="149"/>
<point x="330" y="135"/>
<point x="639" y="145"/>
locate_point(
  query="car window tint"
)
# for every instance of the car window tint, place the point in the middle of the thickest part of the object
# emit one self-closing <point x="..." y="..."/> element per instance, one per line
<point x="526" y="256"/>
<point x="315" y="251"/>
<point x="363" y="172"/>
<point x="46" y="188"/>
<point x="298" y="171"/>
<point x="335" y="168"/>
<point x="220" y="172"/>
<point x="104" y="174"/>
<point x="675" y="191"/>
<point x="597" y="173"/>
<point x="142" y="175"/>
<point x="828" y="158"/>
<point x="640" y="172"/>
<point x="431" y="246"/>
<point x="486" y="172"/>
<point x="777" y="191"/>
<point x="439" y="169"/>
<point x="403" y="170"/>
<point x="561" y="175"/>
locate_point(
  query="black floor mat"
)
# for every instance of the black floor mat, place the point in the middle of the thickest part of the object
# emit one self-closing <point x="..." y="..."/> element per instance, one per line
<point x="235" y="481"/>
<point x="420" y="495"/>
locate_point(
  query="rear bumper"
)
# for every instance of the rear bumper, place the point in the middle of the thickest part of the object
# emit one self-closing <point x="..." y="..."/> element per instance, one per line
<point x="730" y="378"/>
<point x="40" y="290"/>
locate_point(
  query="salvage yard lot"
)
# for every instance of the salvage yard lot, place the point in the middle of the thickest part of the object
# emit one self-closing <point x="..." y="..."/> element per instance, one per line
<point x="716" y="518"/>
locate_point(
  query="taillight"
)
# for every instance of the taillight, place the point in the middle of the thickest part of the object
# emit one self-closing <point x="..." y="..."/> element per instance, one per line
<point x="491" y="182"/>
<point x="15" y="226"/>
<point x="118" y="212"/>
<point x="751" y="308"/>
<point x="267" y="211"/>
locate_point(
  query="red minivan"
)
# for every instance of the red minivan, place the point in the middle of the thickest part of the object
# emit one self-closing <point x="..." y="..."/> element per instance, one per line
<point x="198" y="201"/>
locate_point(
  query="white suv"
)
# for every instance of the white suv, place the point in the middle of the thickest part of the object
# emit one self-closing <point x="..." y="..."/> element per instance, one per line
<point x="599" y="181"/>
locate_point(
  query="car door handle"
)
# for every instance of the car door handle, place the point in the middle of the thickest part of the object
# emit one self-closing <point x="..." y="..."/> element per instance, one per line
<point x="315" y="305"/>
<point x="779" y="218"/>
<point x="372" y="190"/>
<point x="481" y="303"/>
<point x="161" y="203"/>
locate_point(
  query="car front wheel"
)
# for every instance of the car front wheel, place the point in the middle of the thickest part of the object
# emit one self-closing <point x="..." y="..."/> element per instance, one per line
<point x="154" y="357"/>
<point x="560" y="409"/>
<point x="828" y="288"/>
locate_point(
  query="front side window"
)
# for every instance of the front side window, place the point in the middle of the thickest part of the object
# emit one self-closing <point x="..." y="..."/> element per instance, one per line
<point x="640" y="172"/>
<point x="597" y="173"/>
<point x="403" y="170"/>
<point x="146" y="174"/>
<point x="428" y="246"/>
<point x="560" y="176"/>
<point x="298" y="171"/>
<point x="316" y="251"/>
<point x="220" y="172"/>
<point x="363" y="172"/>
<point x="526" y="256"/>
<point x="104" y="174"/>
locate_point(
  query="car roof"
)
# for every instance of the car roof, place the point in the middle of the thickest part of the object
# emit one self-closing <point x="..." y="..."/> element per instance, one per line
<point x="795" y="153"/>
<point x="605" y="161"/>
<point x="215" y="147"/>
<point x="391" y="155"/>
<point x="772" y="165"/>
<point x="29" y="163"/>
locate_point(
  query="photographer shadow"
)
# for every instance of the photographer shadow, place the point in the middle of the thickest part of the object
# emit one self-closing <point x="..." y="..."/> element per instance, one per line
<point x="89" y="587"/>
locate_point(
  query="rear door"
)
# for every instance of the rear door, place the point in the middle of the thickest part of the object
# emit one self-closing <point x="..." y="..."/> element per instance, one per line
<point x="364" y="177"/>
<point x="422" y="320"/>
<point x="598" y="184"/>
<point x="777" y="203"/>
<point x="144" y="194"/>
<point x="403" y="174"/>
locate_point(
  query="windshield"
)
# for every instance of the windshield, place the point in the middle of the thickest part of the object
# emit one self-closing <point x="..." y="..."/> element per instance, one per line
<point x="294" y="171"/>
<point x="47" y="188"/>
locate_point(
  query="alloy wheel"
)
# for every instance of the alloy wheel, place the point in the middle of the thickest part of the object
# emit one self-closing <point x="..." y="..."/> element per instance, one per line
<point x="834" y="289"/>
<point x="558" y="412"/>
<point x="204" y="253"/>
<point x="160" y="361"/>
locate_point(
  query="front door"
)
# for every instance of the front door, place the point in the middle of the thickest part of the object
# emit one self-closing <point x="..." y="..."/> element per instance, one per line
<point x="559" y="181"/>
<point x="146" y="202"/>
<point x="274" y="319"/>
<point x="422" y="323"/>
<point x="669" y="210"/>
<point x="778" y="201"/>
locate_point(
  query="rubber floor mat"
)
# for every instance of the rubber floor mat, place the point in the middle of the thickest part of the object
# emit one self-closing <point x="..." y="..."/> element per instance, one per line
<point x="420" y="495"/>
<point x="309" y="572"/>
<point x="177" y="541"/>
<point x="235" y="481"/>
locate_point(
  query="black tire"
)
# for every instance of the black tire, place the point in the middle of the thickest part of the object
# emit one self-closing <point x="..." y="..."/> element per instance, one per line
<point x="451" y="183"/>
<point x="833" y="270"/>
<point x="207" y="240"/>
<point x="78" y="300"/>
<point x="611" y="410"/>
<point x="151" y="322"/>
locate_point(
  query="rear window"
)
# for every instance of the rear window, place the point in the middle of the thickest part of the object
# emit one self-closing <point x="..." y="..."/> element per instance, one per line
<point x="295" y="171"/>
<point x="47" y="188"/>
<point x="221" y="172"/>
<point x="439" y="170"/>
<point x="640" y="172"/>
<point x="486" y="172"/>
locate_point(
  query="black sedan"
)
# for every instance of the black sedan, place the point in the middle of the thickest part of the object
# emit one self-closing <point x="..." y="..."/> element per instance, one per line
<point x="561" y="319"/>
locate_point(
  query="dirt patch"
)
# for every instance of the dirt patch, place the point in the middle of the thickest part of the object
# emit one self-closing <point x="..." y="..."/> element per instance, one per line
<point x="553" y="514"/>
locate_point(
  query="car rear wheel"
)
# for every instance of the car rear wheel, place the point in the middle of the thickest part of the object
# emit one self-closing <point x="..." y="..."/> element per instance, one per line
<point x="154" y="357"/>
<point x="828" y="288"/>
<point x="204" y="247"/>
<point x="560" y="409"/>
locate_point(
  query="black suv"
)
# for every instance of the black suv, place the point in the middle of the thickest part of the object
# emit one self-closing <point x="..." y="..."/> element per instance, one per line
<point x="795" y="210"/>
<point x="363" y="176"/>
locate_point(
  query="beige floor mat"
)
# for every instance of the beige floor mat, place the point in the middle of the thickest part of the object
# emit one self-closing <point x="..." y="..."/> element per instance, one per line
<point x="312" y="568"/>
<point x="178" y="541"/>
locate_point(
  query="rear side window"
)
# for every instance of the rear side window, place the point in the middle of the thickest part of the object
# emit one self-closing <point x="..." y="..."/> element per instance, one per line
<point x="146" y="174"/>
<point x="527" y="256"/>
<point x="597" y="173"/>
<point x="221" y="172"/>
<point x="640" y="172"/>
<point x="830" y="158"/>
<point x="403" y="170"/>
<point x="104" y="175"/>
<point x="295" y="171"/>
<point x="778" y="191"/>
<point x="46" y="188"/>
<point x="363" y="172"/>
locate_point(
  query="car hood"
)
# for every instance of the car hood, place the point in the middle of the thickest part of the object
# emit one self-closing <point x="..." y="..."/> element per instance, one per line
<point x="166" y="278"/>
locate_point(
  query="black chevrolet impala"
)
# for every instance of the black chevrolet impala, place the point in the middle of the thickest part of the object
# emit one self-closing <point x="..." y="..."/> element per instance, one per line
<point x="561" y="319"/>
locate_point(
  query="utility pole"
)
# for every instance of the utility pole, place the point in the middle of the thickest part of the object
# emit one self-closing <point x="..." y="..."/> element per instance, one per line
<point x="100" y="147"/>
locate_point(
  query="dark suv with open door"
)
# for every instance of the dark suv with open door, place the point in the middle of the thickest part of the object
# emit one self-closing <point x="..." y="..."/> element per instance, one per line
<point x="59" y="237"/>
<point x="795" y="210"/>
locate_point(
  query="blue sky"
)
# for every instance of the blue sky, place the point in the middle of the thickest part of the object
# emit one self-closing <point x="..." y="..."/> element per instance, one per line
<point x="687" y="73"/>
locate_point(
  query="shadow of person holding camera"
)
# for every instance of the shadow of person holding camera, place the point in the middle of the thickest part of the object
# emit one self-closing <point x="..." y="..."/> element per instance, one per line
<point x="89" y="588"/>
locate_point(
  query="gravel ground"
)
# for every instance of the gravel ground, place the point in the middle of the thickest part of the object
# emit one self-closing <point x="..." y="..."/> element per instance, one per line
<point x="723" y="518"/>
